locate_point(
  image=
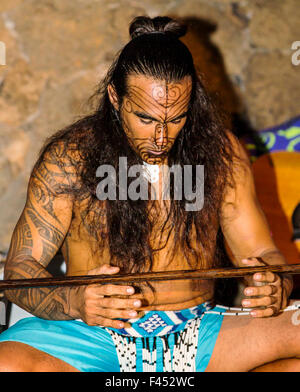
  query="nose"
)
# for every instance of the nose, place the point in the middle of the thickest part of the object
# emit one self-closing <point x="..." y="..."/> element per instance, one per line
<point x="161" y="135"/>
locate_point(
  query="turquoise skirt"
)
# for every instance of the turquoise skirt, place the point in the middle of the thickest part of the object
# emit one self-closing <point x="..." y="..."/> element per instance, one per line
<point x="150" y="344"/>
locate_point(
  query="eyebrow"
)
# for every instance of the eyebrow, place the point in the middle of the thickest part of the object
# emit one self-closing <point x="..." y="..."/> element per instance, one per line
<point x="148" y="117"/>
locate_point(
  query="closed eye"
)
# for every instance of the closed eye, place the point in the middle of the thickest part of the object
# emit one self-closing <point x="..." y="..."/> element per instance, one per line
<point x="176" y="121"/>
<point x="145" y="118"/>
<point x="144" y="121"/>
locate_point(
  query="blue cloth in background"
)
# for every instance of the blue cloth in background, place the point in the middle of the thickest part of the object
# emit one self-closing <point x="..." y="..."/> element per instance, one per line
<point x="284" y="137"/>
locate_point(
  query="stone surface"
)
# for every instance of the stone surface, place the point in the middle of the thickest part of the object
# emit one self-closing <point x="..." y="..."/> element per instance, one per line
<point x="56" y="52"/>
<point x="271" y="87"/>
<point x="275" y="24"/>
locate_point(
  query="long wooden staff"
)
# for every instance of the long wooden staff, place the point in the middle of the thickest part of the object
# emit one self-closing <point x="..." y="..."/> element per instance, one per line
<point x="147" y="276"/>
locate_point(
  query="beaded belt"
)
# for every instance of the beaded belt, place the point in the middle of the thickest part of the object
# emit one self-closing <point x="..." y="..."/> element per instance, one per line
<point x="174" y="333"/>
<point x="159" y="323"/>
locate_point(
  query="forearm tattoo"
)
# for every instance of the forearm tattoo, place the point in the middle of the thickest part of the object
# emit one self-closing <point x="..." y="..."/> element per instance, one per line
<point x="37" y="237"/>
<point x="48" y="303"/>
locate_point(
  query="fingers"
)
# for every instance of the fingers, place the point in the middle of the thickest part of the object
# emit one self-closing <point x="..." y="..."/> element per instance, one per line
<point x="105" y="296"/>
<point x="96" y="310"/>
<point x="259" y="278"/>
<point x="265" y="277"/>
<point x="113" y="303"/>
<point x="268" y="312"/>
<point x="263" y="307"/>
<point x="101" y="305"/>
<point x="266" y="290"/>
<point x="103" y="312"/>
<point x="264" y="300"/>
<point x="104" y="322"/>
<point x="116" y="313"/>
<point x="105" y="269"/>
<point x="265" y="296"/>
<point x="110" y="290"/>
<point x="253" y="262"/>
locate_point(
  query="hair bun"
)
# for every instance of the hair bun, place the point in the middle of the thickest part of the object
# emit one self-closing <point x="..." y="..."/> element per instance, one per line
<point x="160" y="24"/>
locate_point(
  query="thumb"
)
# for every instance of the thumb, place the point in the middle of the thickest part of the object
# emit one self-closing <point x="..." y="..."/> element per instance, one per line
<point x="253" y="261"/>
<point x="104" y="269"/>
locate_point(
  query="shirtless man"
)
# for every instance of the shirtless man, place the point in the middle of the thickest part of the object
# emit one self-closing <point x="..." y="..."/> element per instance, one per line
<point x="157" y="112"/>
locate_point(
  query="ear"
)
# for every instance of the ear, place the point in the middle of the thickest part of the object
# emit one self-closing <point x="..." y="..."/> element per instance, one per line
<point x="113" y="97"/>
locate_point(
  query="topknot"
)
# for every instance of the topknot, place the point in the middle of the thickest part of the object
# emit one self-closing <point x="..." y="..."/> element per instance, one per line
<point x="161" y="24"/>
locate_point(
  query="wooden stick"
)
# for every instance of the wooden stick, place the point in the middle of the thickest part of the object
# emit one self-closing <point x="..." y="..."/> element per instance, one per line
<point x="216" y="273"/>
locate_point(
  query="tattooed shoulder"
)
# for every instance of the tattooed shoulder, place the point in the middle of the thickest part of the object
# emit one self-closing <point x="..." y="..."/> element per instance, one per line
<point x="46" y="217"/>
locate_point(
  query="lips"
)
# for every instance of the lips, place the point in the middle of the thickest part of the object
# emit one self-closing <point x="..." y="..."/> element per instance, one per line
<point x="156" y="152"/>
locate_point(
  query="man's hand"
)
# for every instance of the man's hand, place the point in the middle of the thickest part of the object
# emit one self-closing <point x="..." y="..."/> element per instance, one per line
<point x="99" y="304"/>
<point x="268" y="287"/>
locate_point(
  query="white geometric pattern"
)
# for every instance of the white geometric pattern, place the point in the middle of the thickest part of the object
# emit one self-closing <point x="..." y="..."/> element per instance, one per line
<point x="153" y="323"/>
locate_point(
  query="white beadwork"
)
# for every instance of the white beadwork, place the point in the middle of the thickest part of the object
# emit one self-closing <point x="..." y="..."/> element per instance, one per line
<point x="153" y="323"/>
<point x="184" y="351"/>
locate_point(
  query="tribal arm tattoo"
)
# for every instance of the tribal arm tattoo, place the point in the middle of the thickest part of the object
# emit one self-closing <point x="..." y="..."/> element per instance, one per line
<point x="37" y="237"/>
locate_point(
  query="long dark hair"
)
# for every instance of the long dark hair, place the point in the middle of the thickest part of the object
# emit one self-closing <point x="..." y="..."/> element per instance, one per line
<point x="124" y="226"/>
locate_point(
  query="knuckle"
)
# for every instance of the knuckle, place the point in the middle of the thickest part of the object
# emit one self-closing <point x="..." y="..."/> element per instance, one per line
<point x="273" y="289"/>
<point x="89" y="321"/>
<point x="254" y="303"/>
<point x="88" y="304"/>
<point x="271" y="300"/>
<point x="85" y="292"/>
<point x="268" y="312"/>
<point x="109" y="313"/>
<point x="130" y="304"/>
<point x="269" y="290"/>
<point x="264" y="276"/>
<point x="99" y="320"/>
<point x="116" y="324"/>
<point x="87" y="314"/>
<point x="88" y="292"/>
<point x="265" y="313"/>
<point x="274" y="300"/>
<point x="125" y="314"/>
<point x="104" y="322"/>
<point x="277" y="279"/>
<point x="273" y="310"/>
<point x="107" y="302"/>
<point x="107" y="289"/>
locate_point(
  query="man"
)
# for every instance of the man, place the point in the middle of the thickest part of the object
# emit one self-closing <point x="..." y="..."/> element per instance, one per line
<point x="153" y="111"/>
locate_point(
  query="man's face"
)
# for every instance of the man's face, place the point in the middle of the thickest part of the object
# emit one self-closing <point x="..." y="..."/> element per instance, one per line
<point x="153" y="112"/>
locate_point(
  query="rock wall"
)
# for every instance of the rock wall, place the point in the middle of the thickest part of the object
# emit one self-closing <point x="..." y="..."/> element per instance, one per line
<point x="57" y="50"/>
